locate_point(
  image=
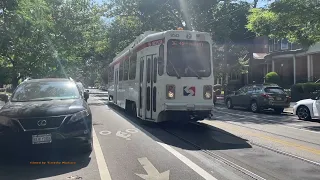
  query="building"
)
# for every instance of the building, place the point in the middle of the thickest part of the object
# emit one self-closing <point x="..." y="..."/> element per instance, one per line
<point x="293" y="63"/>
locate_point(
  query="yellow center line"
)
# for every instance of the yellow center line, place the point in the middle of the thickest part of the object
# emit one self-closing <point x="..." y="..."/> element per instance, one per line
<point x="270" y="138"/>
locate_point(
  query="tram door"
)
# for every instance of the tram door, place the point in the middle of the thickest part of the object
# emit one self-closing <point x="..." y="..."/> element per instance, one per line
<point x="116" y="82"/>
<point x="150" y="86"/>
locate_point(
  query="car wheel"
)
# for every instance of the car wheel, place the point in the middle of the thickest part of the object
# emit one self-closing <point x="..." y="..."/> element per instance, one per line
<point x="254" y="107"/>
<point x="229" y="104"/>
<point x="278" y="110"/>
<point x="303" y="113"/>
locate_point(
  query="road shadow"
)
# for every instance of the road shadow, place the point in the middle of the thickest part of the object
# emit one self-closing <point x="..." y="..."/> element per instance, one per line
<point x="190" y="136"/>
<point x="29" y="164"/>
<point x="264" y="112"/>
<point x="250" y="117"/>
<point x="313" y="128"/>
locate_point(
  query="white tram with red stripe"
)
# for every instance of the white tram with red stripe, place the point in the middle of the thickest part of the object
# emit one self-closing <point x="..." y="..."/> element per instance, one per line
<point x="164" y="76"/>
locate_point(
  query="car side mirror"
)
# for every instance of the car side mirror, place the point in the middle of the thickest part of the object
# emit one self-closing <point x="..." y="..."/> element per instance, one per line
<point x="4" y="97"/>
<point x="86" y="95"/>
<point x="236" y="92"/>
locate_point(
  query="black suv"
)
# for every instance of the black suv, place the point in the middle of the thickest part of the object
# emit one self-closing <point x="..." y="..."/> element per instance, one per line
<point x="258" y="97"/>
<point x="46" y="112"/>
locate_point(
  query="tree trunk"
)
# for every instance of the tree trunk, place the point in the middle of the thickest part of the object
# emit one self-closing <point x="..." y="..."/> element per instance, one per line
<point x="15" y="80"/>
<point x="255" y="3"/>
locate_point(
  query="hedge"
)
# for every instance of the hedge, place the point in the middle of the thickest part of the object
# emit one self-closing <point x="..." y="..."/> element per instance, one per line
<point x="304" y="90"/>
<point x="272" y="77"/>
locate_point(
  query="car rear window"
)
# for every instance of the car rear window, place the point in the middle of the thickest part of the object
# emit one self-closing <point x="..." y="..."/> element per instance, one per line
<point x="274" y="90"/>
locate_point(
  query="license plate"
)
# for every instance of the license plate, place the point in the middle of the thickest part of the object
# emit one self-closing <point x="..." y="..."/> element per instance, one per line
<point x="41" y="139"/>
<point x="279" y="98"/>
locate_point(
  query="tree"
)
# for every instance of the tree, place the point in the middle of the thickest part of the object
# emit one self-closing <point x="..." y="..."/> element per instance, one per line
<point x="299" y="21"/>
<point x="224" y="20"/>
<point x="55" y="38"/>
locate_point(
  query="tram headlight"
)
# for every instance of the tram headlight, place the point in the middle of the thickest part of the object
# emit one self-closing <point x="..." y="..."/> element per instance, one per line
<point x="207" y="92"/>
<point x="207" y="95"/>
<point x="170" y="91"/>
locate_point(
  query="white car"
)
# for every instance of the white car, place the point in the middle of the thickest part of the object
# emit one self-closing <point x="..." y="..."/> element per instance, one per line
<point x="307" y="109"/>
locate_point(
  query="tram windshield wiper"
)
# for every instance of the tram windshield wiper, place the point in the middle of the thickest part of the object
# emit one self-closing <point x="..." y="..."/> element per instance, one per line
<point x="199" y="77"/>
<point x="175" y="70"/>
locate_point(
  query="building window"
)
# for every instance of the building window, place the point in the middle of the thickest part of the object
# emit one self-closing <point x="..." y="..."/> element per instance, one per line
<point x="270" y="45"/>
<point x="284" y="44"/>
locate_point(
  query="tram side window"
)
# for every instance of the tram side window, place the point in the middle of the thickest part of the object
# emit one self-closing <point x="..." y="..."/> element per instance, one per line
<point x="121" y="71"/>
<point x="161" y="60"/>
<point x="133" y="63"/>
<point x="126" y="69"/>
<point x="110" y="74"/>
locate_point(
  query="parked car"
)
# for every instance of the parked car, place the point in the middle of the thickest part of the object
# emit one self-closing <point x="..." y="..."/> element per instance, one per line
<point x="257" y="97"/>
<point x="307" y="109"/>
<point x="46" y="112"/>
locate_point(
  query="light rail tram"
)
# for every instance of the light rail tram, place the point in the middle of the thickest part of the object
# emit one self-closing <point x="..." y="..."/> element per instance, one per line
<point x="164" y="76"/>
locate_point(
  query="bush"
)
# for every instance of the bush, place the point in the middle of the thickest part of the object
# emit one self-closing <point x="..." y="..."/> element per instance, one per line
<point x="308" y="87"/>
<point x="304" y="90"/>
<point x="272" y="77"/>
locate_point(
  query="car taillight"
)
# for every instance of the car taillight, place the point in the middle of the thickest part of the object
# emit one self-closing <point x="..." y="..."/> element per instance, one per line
<point x="288" y="98"/>
<point x="207" y="92"/>
<point x="170" y="91"/>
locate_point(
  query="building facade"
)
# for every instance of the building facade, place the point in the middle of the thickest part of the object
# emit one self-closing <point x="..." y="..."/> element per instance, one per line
<point x="293" y="63"/>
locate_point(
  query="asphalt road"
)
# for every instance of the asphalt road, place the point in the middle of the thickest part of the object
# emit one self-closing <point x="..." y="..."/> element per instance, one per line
<point x="233" y="144"/>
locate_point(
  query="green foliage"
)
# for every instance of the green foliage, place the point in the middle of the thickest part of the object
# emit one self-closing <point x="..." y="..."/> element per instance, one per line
<point x="304" y="91"/>
<point x="308" y="87"/>
<point x="272" y="77"/>
<point x="297" y="20"/>
<point x="52" y="38"/>
<point x="70" y="38"/>
<point x="225" y="21"/>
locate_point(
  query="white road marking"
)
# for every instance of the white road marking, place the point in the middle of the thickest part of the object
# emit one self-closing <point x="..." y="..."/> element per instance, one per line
<point x="102" y="165"/>
<point x="187" y="162"/>
<point x="262" y="119"/>
<point x="104" y="133"/>
<point x="123" y="135"/>
<point x="152" y="172"/>
<point x="297" y="125"/>
<point x="181" y="157"/>
<point x="132" y="131"/>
